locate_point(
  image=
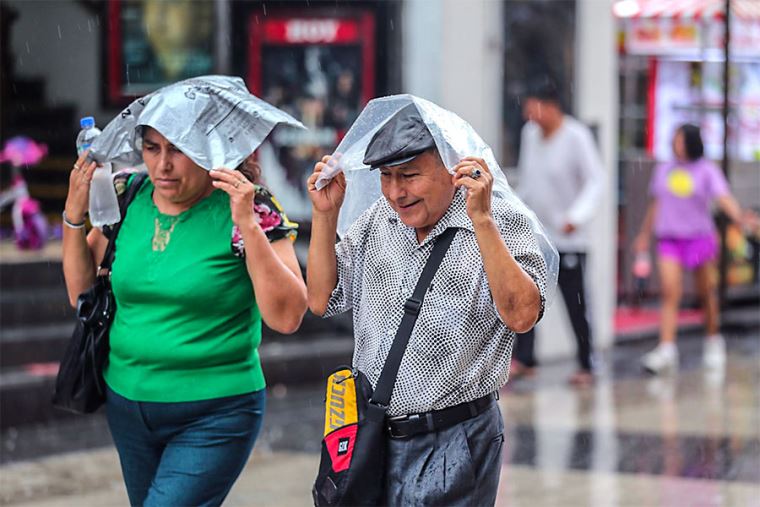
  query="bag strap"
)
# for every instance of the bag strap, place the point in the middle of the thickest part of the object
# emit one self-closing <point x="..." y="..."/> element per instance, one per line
<point x="412" y="306"/>
<point x="124" y="202"/>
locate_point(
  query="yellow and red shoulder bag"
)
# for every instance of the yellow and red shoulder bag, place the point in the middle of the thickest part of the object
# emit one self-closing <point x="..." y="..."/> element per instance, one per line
<point x="352" y="465"/>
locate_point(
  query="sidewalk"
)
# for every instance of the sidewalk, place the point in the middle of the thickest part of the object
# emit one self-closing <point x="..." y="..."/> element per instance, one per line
<point x="93" y="479"/>
<point x="283" y="478"/>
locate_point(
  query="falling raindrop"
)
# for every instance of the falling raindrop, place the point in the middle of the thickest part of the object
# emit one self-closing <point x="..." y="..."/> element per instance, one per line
<point x="264" y="7"/>
<point x="60" y="36"/>
<point x="28" y="51"/>
<point x="393" y="27"/>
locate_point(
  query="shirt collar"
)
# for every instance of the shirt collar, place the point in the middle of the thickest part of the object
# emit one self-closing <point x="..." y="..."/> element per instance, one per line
<point x="455" y="216"/>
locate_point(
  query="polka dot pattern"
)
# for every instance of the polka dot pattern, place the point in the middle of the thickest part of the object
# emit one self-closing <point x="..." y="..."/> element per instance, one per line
<point x="460" y="349"/>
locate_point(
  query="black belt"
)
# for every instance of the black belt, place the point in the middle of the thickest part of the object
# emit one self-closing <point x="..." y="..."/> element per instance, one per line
<point x="406" y="426"/>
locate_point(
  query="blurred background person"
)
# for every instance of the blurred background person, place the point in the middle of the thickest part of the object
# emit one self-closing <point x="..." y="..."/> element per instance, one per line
<point x="561" y="179"/>
<point x="682" y="193"/>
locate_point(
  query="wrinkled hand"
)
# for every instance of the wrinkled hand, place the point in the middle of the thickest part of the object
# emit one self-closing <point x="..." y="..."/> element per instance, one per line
<point x="78" y="197"/>
<point x="330" y="198"/>
<point x="241" y="192"/>
<point x="473" y="174"/>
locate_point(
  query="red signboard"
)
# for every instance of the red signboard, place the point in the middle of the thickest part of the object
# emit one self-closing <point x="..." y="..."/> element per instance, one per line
<point x="320" y="69"/>
<point x="311" y="31"/>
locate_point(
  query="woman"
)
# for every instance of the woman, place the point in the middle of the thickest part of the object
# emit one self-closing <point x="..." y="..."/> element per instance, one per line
<point x="201" y="259"/>
<point x="682" y="193"/>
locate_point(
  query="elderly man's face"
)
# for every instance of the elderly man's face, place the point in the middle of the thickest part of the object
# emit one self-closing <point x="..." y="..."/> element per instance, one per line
<point x="420" y="191"/>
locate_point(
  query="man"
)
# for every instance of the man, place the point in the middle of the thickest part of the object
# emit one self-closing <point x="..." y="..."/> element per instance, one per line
<point x="561" y="179"/>
<point x="489" y="285"/>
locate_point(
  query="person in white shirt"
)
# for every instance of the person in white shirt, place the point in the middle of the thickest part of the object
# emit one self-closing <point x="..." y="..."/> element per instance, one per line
<point x="561" y="179"/>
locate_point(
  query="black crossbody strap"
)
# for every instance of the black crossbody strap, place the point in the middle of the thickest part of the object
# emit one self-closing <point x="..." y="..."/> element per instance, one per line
<point x="412" y="306"/>
<point x="123" y="207"/>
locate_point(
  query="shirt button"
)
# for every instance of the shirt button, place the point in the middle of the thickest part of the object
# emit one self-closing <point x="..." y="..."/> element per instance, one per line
<point x="390" y="332"/>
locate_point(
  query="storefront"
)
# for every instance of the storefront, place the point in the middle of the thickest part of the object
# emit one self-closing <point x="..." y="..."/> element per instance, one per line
<point x="321" y="61"/>
<point x="671" y="72"/>
<point x="682" y="44"/>
<point x="320" y="68"/>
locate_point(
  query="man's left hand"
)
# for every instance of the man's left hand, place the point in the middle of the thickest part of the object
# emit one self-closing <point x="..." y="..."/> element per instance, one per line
<point x="473" y="174"/>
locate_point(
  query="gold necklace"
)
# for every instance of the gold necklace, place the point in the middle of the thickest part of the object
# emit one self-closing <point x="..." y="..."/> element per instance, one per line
<point x="162" y="232"/>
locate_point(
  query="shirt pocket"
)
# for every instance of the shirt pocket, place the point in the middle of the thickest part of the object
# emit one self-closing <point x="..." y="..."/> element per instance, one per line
<point x="442" y="326"/>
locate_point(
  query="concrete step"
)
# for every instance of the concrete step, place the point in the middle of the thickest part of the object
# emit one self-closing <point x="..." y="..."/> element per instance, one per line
<point x="25" y="390"/>
<point x="25" y="275"/>
<point x="26" y="90"/>
<point x="34" y="344"/>
<point x="746" y="295"/>
<point x="45" y="341"/>
<point x="34" y="306"/>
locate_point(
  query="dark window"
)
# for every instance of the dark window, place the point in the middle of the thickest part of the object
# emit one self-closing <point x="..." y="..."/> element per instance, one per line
<point x="539" y="40"/>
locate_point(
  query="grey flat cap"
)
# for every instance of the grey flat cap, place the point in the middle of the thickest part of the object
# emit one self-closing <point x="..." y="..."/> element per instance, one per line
<point x="402" y="138"/>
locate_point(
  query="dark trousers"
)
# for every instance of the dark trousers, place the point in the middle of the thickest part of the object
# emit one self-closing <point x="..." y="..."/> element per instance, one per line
<point x="571" y="268"/>
<point x="186" y="453"/>
<point x="457" y="466"/>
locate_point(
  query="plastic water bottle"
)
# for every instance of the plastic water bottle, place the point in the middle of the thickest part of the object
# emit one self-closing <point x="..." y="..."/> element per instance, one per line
<point x="87" y="135"/>
<point x="104" y="205"/>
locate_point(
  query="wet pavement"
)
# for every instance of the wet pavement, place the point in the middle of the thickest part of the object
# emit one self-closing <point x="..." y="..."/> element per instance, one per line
<point x="631" y="440"/>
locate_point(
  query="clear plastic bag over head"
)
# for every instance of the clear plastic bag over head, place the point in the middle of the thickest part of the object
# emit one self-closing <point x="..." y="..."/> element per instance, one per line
<point x="214" y="120"/>
<point x="454" y="138"/>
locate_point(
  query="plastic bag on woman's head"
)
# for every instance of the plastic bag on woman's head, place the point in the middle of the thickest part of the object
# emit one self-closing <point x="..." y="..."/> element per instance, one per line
<point x="454" y="138"/>
<point x="214" y="120"/>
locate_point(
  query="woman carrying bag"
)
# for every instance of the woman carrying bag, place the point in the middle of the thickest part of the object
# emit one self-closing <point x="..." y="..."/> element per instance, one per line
<point x="202" y="257"/>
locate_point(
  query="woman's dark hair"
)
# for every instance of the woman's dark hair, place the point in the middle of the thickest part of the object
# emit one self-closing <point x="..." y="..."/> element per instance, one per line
<point x="250" y="169"/>
<point x="692" y="141"/>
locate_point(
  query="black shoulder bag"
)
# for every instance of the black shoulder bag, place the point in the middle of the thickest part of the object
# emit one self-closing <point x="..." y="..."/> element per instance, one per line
<point x="80" y="387"/>
<point x="352" y="465"/>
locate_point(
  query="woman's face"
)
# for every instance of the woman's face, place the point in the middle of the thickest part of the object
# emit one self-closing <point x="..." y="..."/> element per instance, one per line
<point x="679" y="145"/>
<point x="177" y="178"/>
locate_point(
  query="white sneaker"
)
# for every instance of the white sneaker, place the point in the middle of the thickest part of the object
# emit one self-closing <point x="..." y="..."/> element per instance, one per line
<point x="661" y="359"/>
<point x="714" y="354"/>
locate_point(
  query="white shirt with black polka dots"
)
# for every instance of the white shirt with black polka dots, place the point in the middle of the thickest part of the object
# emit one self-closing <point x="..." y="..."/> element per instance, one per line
<point x="460" y="349"/>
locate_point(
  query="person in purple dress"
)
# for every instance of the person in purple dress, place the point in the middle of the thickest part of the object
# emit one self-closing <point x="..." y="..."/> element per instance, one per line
<point x="682" y="193"/>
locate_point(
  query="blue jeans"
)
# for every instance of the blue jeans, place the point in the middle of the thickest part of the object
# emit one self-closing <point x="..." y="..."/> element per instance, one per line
<point x="186" y="453"/>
